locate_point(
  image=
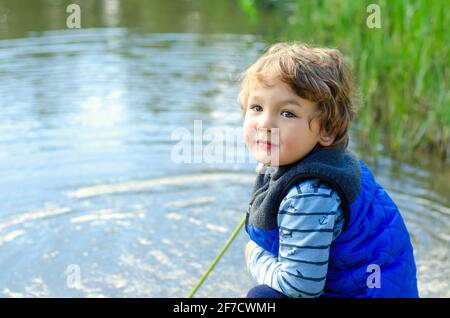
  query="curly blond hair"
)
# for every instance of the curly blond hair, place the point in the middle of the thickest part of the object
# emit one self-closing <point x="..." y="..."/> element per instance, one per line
<point x="316" y="74"/>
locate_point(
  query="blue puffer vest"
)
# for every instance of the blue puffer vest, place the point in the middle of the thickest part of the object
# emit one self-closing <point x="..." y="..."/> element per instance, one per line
<point x="374" y="231"/>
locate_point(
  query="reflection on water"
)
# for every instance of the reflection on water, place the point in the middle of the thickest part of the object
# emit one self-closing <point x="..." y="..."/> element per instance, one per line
<point x="86" y="176"/>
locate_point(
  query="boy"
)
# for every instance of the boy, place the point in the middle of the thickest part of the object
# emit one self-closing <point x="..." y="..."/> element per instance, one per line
<point x="319" y="223"/>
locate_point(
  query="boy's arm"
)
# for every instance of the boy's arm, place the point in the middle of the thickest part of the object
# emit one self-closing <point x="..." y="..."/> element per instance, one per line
<point x="305" y="237"/>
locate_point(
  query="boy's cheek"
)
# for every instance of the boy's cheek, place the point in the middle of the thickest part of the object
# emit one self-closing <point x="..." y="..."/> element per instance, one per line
<point x="249" y="135"/>
<point x="247" y="139"/>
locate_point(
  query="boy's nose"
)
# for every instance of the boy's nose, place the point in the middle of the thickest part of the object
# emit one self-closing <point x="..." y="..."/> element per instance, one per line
<point x="266" y="122"/>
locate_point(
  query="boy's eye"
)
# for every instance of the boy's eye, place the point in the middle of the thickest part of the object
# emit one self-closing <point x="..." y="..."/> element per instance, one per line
<point x="256" y="108"/>
<point x="287" y="114"/>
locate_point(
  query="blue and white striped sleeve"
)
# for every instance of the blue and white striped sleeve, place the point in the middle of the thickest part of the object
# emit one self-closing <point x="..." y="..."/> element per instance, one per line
<point x="309" y="219"/>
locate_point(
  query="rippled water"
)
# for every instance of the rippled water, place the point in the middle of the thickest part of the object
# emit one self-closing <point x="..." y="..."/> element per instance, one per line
<point x="86" y="171"/>
<point x="87" y="181"/>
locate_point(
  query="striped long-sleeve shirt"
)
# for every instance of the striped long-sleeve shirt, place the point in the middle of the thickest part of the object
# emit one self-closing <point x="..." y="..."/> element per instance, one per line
<point x="309" y="219"/>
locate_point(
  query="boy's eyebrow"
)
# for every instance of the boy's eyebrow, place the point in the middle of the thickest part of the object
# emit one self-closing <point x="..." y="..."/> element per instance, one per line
<point x="290" y="101"/>
<point x="256" y="98"/>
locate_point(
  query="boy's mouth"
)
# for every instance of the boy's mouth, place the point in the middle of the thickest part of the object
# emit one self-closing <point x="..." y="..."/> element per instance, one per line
<point x="264" y="144"/>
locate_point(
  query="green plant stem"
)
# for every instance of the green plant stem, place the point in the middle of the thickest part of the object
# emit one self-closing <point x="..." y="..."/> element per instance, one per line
<point x="218" y="257"/>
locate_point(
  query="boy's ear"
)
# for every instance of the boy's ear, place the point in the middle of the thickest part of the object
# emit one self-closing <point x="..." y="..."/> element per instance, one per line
<point x="325" y="139"/>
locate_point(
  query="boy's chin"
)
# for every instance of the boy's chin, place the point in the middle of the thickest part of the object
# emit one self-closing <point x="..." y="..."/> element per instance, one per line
<point x="267" y="160"/>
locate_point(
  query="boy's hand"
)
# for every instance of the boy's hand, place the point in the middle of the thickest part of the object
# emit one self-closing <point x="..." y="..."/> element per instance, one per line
<point x="248" y="248"/>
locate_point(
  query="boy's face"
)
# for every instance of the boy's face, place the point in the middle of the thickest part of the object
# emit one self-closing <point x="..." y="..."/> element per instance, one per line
<point x="276" y="129"/>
